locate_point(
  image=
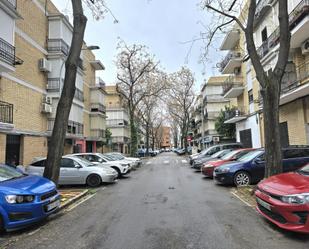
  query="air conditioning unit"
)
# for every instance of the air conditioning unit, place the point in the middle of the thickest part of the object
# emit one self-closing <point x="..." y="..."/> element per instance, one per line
<point x="46" y="108"/>
<point x="305" y="47"/>
<point x="47" y="100"/>
<point x="237" y="70"/>
<point x="44" y="65"/>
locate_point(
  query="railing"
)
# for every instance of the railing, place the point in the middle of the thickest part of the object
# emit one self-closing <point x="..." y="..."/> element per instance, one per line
<point x="97" y="133"/>
<point x="212" y="115"/>
<point x="7" y="52"/>
<point x="296" y="15"/>
<point x="79" y="95"/>
<point x="117" y="123"/>
<point x="259" y="8"/>
<point x="74" y="128"/>
<point x="230" y="83"/>
<point x="292" y="80"/>
<point x="240" y="111"/>
<point x="57" y="46"/>
<point x="6" y="112"/>
<point x="13" y="3"/>
<point x="97" y="107"/>
<point x="53" y="84"/>
<point x="80" y="64"/>
<point x="231" y="55"/>
<point x="99" y="82"/>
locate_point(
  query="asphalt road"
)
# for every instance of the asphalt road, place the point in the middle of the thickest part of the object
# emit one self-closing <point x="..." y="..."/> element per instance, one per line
<point x="163" y="205"/>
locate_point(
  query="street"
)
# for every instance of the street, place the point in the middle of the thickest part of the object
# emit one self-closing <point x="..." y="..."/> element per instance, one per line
<point x="165" y="204"/>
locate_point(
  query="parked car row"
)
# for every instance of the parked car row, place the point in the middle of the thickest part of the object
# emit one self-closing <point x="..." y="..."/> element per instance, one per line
<point x="26" y="197"/>
<point x="143" y="152"/>
<point x="282" y="199"/>
<point x="182" y="151"/>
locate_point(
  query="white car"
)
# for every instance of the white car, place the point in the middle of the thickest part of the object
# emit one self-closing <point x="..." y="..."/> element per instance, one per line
<point x="74" y="170"/>
<point x="134" y="160"/>
<point x="122" y="167"/>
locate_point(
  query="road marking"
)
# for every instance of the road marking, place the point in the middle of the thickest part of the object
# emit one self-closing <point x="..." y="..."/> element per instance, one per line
<point x="35" y="231"/>
<point x="241" y="199"/>
<point x="184" y="161"/>
<point x="80" y="202"/>
<point x="148" y="163"/>
<point x="166" y="162"/>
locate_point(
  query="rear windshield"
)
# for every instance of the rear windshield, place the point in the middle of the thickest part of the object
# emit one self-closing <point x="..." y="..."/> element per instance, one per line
<point x="294" y="153"/>
<point x="250" y="156"/>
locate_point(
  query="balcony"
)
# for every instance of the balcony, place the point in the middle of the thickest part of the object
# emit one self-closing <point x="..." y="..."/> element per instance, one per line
<point x="13" y="3"/>
<point x="212" y="115"/>
<point x="262" y="7"/>
<point x="79" y="95"/>
<point x="6" y="115"/>
<point x="214" y="98"/>
<point x="233" y="87"/>
<point x="230" y="40"/>
<point x="99" y="82"/>
<point x="234" y="116"/>
<point x="114" y="123"/>
<point x="58" y="46"/>
<point x="97" y="133"/>
<point x="74" y="128"/>
<point x="80" y="64"/>
<point x="8" y="57"/>
<point x="231" y="61"/>
<point x="98" y="107"/>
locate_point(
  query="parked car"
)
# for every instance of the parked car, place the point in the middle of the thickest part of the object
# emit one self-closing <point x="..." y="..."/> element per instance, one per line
<point x="208" y="167"/>
<point x="284" y="200"/>
<point x="25" y="199"/>
<point x="141" y="152"/>
<point x="122" y="168"/>
<point x="197" y="164"/>
<point x="76" y="170"/>
<point x="135" y="161"/>
<point x="250" y="168"/>
<point x="212" y="150"/>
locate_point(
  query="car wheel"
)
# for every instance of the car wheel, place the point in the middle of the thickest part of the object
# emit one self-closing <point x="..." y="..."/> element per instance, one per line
<point x="1" y="225"/>
<point x="93" y="180"/>
<point x="242" y="178"/>
<point x="118" y="172"/>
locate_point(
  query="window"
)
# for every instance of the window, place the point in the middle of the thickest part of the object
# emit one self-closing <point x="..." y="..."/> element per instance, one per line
<point x="264" y="34"/>
<point x="40" y="163"/>
<point x="250" y="96"/>
<point x="67" y="163"/>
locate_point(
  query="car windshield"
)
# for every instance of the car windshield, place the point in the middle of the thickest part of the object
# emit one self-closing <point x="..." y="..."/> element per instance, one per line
<point x="230" y="155"/>
<point x="84" y="161"/>
<point x="304" y="170"/>
<point x="219" y="153"/>
<point x="8" y="173"/>
<point x="117" y="155"/>
<point x="250" y="156"/>
<point x="109" y="157"/>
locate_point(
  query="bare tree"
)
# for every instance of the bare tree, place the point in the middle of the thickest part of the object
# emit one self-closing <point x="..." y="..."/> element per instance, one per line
<point x="56" y="145"/>
<point x="180" y="100"/>
<point x="137" y="71"/>
<point x="270" y="82"/>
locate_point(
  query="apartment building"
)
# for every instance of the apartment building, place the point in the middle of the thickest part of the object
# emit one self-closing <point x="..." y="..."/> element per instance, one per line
<point x="117" y="120"/>
<point x="166" y="137"/>
<point x="206" y="110"/>
<point x="34" y="46"/>
<point x="294" y="108"/>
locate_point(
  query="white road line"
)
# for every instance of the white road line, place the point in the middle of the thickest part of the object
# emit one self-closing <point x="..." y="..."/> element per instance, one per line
<point x="78" y="203"/>
<point x="35" y="231"/>
<point x="241" y="199"/>
<point x="184" y="161"/>
<point x="166" y="162"/>
<point x="148" y="163"/>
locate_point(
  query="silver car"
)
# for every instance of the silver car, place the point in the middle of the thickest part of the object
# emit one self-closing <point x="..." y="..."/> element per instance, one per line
<point x="136" y="162"/>
<point x="75" y="170"/>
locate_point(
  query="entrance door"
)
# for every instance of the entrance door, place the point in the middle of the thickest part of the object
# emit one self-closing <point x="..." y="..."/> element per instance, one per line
<point x="246" y="138"/>
<point x="284" y="135"/>
<point x="12" y="153"/>
<point x="89" y="146"/>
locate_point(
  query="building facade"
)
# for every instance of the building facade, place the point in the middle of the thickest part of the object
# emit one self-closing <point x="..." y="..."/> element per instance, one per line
<point x="166" y="137"/>
<point x="34" y="47"/>
<point x="117" y="120"/>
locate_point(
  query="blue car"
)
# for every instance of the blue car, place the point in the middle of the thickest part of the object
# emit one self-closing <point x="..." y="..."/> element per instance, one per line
<point x="250" y="168"/>
<point x="25" y="199"/>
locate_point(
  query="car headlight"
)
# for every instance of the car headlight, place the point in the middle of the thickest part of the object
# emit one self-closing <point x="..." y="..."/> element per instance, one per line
<point x="296" y="199"/>
<point x="19" y="198"/>
<point x="208" y="166"/>
<point x="224" y="170"/>
<point x="124" y="165"/>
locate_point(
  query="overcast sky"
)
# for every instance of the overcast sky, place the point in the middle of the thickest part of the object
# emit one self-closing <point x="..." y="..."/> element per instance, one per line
<point x="162" y="25"/>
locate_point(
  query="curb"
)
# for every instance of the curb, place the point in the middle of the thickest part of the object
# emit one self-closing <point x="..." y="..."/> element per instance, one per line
<point x="76" y="198"/>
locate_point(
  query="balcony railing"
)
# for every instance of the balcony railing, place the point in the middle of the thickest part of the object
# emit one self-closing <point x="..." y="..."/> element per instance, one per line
<point x="80" y="64"/>
<point x="230" y="56"/>
<point x="117" y="123"/>
<point x="58" y="46"/>
<point x="100" y="83"/>
<point x="53" y="84"/>
<point x="292" y="80"/>
<point x="6" y="112"/>
<point x="97" y="107"/>
<point x="13" y="3"/>
<point x="261" y="9"/>
<point x="79" y="95"/>
<point x="230" y="83"/>
<point x="240" y="111"/>
<point x="7" y="52"/>
<point x="296" y="15"/>
<point x="74" y="128"/>
<point x="97" y="133"/>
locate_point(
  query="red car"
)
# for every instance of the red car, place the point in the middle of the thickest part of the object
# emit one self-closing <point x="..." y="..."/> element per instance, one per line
<point x="208" y="168"/>
<point x="284" y="200"/>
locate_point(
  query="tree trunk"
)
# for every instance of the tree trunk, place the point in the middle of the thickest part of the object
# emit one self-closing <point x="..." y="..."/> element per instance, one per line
<point x="147" y="139"/>
<point x="273" y="153"/>
<point x="133" y="135"/>
<point x="56" y="145"/>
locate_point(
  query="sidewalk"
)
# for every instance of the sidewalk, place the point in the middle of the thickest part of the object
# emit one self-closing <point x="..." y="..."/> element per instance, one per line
<point x="68" y="196"/>
<point x="245" y="194"/>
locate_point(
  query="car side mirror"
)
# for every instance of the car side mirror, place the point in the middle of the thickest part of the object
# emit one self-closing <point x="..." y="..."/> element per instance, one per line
<point x="258" y="161"/>
<point x="77" y="166"/>
<point x="100" y="160"/>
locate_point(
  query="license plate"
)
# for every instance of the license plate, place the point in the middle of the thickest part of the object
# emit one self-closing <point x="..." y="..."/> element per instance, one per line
<point x="53" y="205"/>
<point x="263" y="204"/>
